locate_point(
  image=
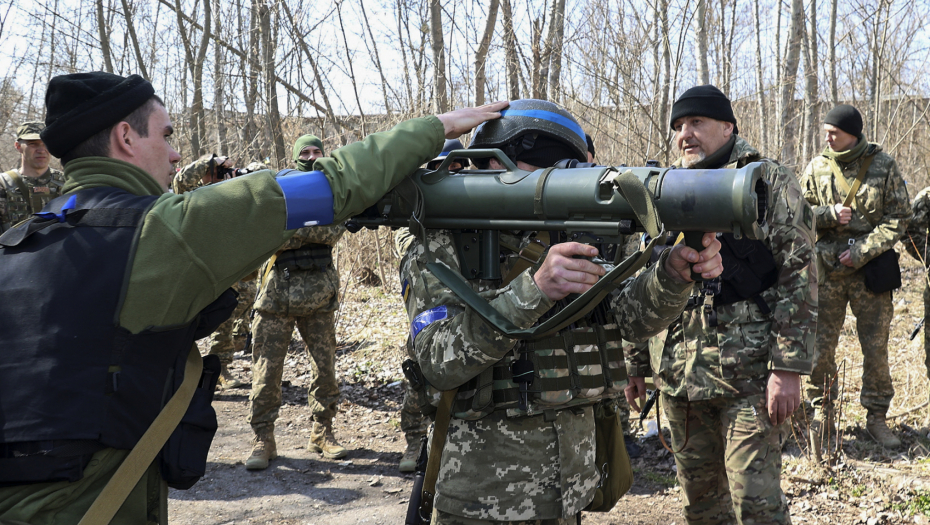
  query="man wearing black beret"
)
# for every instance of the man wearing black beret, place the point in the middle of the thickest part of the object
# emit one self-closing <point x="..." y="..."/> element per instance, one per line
<point x="113" y="281"/>
<point x="862" y="209"/>
<point x="730" y="366"/>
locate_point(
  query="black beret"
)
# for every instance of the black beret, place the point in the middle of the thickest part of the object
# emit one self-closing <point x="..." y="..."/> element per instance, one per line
<point x="845" y="117"/>
<point x="703" y="101"/>
<point x="81" y="105"/>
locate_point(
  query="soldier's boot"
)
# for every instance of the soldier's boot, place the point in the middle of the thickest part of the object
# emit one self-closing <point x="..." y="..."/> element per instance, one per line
<point x="876" y="426"/>
<point x="263" y="451"/>
<point x="323" y="441"/>
<point x="227" y="379"/>
<point x="408" y="462"/>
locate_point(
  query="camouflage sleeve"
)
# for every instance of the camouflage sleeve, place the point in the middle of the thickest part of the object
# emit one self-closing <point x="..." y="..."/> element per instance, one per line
<point x="4" y="204"/>
<point x="824" y="213"/>
<point x="791" y="240"/>
<point x="895" y="214"/>
<point x="637" y="359"/>
<point x="649" y="302"/>
<point x="458" y="344"/>
<point x="915" y="240"/>
<point x="190" y="176"/>
<point x="328" y="235"/>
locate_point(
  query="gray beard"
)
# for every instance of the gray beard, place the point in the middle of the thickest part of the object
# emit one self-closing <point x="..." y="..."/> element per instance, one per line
<point x="689" y="161"/>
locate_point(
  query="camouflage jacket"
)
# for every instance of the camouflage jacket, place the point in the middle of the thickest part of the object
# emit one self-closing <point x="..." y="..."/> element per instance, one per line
<point x="695" y="360"/>
<point x="14" y="206"/>
<point x="302" y="292"/>
<point x="880" y="213"/>
<point x="532" y="467"/>
<point x="190" y="177"/>
<point x="918" y="228"/>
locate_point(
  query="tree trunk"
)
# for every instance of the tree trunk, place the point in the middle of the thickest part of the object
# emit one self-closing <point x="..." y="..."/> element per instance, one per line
<point x="250" y="137"/>
<point x="374" y="48"/>
<point x="345" y="41"/>
<point x="789" y="79"/>
<point x="104" y="37"/>
<point x="557" y="35"/>
<point x="131" y="27"/>
<point x="540" y="65"/>
<point x="272" y="116"/>
<point x="219" y="78"/>
<point x="834" y="95"/>
<point x="440" y="99"/>
<point x="481" y="55"/>
<point x="700" y="34"/>
<point x="811" y="96"/>
<point x="510" y="53"/>
<point x="760" y="79"/>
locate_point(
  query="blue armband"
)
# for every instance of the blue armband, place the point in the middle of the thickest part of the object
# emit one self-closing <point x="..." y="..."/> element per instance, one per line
<point x="308" y="196"/>
<point x="427" y="318"/>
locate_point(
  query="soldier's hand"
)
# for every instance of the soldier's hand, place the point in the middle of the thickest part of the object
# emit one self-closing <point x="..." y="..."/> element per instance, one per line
<point x="561" y="274"/>
<point x="846" y="259"/>
<point x="709" y="263"/>
<point x="843" y="213"/>
<point x="635" y="391"/>
<point x="782" y="395"/>
<point x="463" y="120"/>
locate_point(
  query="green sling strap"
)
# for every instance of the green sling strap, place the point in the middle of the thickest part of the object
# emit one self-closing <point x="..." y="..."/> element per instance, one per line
<point x="440" y="431"/>
<point x="841" y="179"/>
<point x="113" y="495"/>
<point x="636" y="194"/>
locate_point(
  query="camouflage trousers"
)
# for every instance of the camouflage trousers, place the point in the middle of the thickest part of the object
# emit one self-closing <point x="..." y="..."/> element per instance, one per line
<point x="873" y="323"/>
<point x="412" y="422"/>
<point x="230" y="336"/>
<point x="271" y="336"/>
<point x="444" y="518"/>
<point x="730" y="467"/>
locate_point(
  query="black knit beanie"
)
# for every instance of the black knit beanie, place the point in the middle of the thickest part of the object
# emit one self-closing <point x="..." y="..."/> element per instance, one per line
<point x="81" y="105"/>
<point x="704" y="101"/>
<point x="845" y="117"/>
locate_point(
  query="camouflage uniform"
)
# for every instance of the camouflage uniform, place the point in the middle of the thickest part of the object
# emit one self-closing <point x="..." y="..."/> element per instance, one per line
<point x="713" y="379"/>
<point x="14" y="206"/>
<point x="507" y="465"/>
<point x="230" y="336"/>
<point x="915" y="242"/>
<point x="883" y="196"/>
<point x="305" y="298"/>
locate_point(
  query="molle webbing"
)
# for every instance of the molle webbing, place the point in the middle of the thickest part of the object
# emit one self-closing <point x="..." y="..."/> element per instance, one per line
<point x="563" y="376"/>
<point x="309" y="257"/>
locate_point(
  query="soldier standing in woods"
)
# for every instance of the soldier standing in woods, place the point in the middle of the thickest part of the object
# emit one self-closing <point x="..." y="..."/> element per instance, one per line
<point x="299" y="287"/>
<point x="730" y="366"/>
<point x="230" y="337"/>
<point x="915" y="242"/>
<point x="862" y="209"/>
<point x="25" y="190"/>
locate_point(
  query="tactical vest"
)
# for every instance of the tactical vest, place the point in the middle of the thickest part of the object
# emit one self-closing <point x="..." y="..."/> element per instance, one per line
<point x="306" y="258"/>
<point x="749" y="269"/>
<point x="575" y="367"/>
<point x="72" y="380"/>
<point x="19" y="206"/>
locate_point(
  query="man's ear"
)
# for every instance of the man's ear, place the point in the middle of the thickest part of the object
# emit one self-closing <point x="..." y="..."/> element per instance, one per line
<point x="727" y="129"/>
<point x="18" y="146"/>
<point x="122" y="141"/>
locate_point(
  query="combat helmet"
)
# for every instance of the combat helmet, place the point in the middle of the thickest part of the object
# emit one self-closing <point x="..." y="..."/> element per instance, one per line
<point x="449" y="146"/>
<point x="521" y="125"/>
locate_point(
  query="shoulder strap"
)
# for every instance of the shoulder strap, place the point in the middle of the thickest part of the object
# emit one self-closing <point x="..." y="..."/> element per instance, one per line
<point x="841" y="179"/>
<point x="440" y="431"/>
<point x="113" y="495"/>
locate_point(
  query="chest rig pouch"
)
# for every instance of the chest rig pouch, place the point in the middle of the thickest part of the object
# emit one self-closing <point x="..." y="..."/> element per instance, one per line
<point x="306" y="258"/>
<point x="749" y="269"/>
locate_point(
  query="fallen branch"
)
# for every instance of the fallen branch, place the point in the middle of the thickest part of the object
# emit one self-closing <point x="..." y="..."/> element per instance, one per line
<point x="908" y="411"/>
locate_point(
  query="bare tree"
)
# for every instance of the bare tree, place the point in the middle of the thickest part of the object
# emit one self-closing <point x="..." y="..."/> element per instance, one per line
<point x="481" y="55"/>
<point x="440" y="98"/>
<point x="104" y="32"/>
<point x="760" y="78"/>
<point x="510" y="50"/>
<point x="789" y="78"/>
<point x="219" y="77"/>
<point x="272" y="116"/>
<point x="700" y="35"/>
<point x="831" y="46"/>
<point x="198" y="125"/>
<point x="811" y="96"/>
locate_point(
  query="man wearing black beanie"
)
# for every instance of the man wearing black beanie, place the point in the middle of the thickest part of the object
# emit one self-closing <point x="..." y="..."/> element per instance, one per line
<point x="862" y="208"/>
<point x="731" y="365"/>
<point x="122" y="277"/>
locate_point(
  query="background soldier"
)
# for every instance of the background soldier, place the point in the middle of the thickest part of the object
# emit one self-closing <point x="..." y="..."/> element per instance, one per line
<point x="730" y="370"/>
<point x="915" y="242"/>
<point x="25" y="190"/>
<point x="848" y="237"/>
<point x="500" y="464"/>
<point x="299" y="286"/>
<point x="230" y="337"/>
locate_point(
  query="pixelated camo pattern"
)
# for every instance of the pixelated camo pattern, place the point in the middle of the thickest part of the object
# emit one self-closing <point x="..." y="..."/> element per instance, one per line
<point x="14" y="208"/>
